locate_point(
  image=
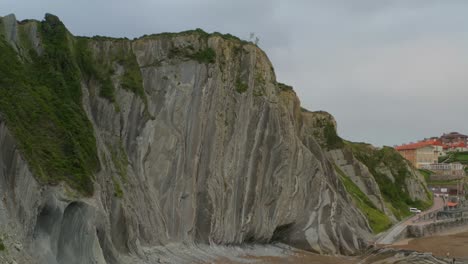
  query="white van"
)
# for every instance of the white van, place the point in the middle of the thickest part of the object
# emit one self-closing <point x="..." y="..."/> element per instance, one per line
<point x="414" y="210"/>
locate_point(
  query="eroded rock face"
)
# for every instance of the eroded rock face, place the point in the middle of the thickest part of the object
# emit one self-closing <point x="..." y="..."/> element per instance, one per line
<point x="361" y="176"/>
<point x="217" y="165"/>
<point x="213" y="152"/>
<point x="392" y="256"/>
<point x="54" y="227"/>
<point x="365" y="165"/>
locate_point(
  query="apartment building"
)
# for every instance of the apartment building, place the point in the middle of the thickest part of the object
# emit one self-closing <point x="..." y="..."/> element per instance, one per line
<point x="421" y="153"/>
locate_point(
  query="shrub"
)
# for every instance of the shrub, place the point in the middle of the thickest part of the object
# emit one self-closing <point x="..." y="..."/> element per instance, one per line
<point x="241" y="87"/>
<point x="41" y="102"/>
<point x="207" y="55"/>
<point x="90" y="69"/>
<point x="332" y="140"/>
<point x="284" y="87"/>
<point x="396" y="192"/>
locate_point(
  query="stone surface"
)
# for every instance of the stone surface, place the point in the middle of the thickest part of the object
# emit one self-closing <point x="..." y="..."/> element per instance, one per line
<point x="198" y="162"/>
<point x="434" y="228"/>
<point x="361" y="176"/>
<point x="392" y="256"/>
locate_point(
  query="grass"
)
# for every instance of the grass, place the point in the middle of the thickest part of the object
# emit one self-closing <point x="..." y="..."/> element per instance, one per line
<point x="329" y="138"/>
<point x="197" y="31"/>
<point x="101" y="68"/>
<point x="461" y="157"/>
<point x="90" y="69"/>
<point x="332" y="140"/>
<point x="207" y="55"/>
<point x="395" y="193"/>
<point x="120" y="160"/>
<point x="131" y="79"/>
<point x="41" y="102"/>
<point x="426" y="173"/>
<point x="449" y="182"/>
<point x="2" y="246"/>
<point x="200" y="32"/>
<point x="451" y="157"/>
<point x="378" y="221"/>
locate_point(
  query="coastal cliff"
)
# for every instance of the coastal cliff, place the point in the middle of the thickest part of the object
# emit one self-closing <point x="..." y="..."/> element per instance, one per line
<point x="112" y="148"/>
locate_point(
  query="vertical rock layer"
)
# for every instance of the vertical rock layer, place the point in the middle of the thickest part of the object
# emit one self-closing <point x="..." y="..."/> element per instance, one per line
<point x="197" y="144"/>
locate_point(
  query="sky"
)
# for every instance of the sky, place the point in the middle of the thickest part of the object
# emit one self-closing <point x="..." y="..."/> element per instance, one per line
<point x="389" y="71"/>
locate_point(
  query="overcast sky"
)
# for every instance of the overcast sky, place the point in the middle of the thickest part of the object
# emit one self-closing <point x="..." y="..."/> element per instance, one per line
<point x="389" y="71"/>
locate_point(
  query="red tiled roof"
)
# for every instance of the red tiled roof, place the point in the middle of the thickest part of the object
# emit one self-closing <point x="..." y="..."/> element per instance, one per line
<point x="421" y="144"/>
<point x="451" y="204"/>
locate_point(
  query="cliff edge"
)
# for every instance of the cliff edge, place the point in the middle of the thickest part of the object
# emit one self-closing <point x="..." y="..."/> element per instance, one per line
<point x="111" y="148"/>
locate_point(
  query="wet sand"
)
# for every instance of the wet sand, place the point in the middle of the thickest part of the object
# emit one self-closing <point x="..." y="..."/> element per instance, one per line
<point x="454" y="241"/>
<point x="299" y="258"/>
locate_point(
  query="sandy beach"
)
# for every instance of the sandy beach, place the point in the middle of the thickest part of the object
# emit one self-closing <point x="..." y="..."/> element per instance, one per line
<point x="300" y="258"/>
<point x="453" y="241"/>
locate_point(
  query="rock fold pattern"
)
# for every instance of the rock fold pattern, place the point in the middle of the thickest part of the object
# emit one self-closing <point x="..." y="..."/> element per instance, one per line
<point x="214" y="151"/>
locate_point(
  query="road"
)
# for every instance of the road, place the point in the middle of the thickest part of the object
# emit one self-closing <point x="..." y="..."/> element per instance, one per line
<point x="392" y="234"/>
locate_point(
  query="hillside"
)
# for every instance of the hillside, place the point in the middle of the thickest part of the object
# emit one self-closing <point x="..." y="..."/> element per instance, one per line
<point x="115" y="150"/>
<point x="382" y="183"/>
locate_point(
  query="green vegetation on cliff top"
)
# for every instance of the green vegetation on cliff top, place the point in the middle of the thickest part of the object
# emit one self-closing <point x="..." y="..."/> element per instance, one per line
<point x="90" y="69"/>
<point x="198" y="31"/>
<point x="332" y="140"/>
<point x="328" y="138"/>
<point x="101" y="69"/>
<point x="41" y="101"/>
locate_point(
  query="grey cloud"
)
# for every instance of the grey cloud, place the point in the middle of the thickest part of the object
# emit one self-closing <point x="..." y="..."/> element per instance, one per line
<point x="390" y="71"/>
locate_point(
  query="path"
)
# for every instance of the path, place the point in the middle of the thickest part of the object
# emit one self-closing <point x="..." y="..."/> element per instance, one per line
<point x="392" y="234"/>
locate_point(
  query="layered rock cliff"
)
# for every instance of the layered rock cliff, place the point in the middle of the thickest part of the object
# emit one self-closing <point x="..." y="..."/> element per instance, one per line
<point x="166" y="139"/>
<point x="382" y="183"/>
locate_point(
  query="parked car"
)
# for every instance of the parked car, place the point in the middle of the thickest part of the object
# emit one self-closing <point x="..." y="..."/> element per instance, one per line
<point x="414" y="210"/>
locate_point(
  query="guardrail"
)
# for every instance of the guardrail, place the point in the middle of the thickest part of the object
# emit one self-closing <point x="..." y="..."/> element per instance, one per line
<point x="442" y="214"/>
<point x="431" y="216"/>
